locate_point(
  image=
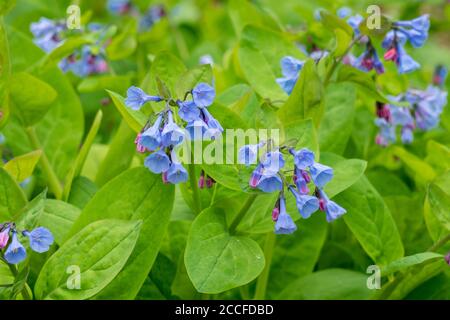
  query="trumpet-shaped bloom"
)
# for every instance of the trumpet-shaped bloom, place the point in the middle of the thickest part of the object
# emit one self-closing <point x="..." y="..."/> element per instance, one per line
<point x="290" y="68"/>
<point x="284" y="224"/>
<point x="157" y="162"/>
<point x="151" y="138"/>
<point x="248" y="154"/>
<point x="272" y="162"/>
<point x="136" y="98"/>
<point x="188" y="111"/>
<point x="203" y="95"/>
<point x="331" y="208"/>
<point x="270" y="183"/>
<point x="415" y="30"/>
<point x="306" y="204"/>
<point x="40" y="239"/>
<point x="321" y="174"/>
<point x="303" y="158"/>
<point x="172" y="134"/>
<point x="176" y="173"/>
<point x="15" y="252"/>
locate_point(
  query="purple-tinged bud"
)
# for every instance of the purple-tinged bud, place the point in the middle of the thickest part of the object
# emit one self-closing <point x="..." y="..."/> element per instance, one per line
<point x="4" y="237"/>
<point x="255" y="177"/>
<point x="383" y="111"/>
<point x="164" y="178"/>
<point x="201" y="180"/>
<point x="276" y="211"/>
<point x="447" y="258"/>
<point x="209" y="182"/>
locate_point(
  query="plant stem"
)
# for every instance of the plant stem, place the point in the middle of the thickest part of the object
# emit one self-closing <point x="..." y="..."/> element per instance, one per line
<point x="52" y="178"/>
<point x="15" y="272"/>
<point x="339" y="60"/>
<point x="261" y="283"/>
<point x="440" y="243"/>
<point x="194" y="186"/>
<point x="237" y="219"/>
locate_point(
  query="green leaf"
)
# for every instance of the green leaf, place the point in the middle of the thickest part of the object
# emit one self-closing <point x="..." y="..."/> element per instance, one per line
<point x="32" y="97"/>
<point x="260" y="53"/>
<point x="337" y="123"/>
<point x="306" y="99"/>
<point x="217" y="261"/>
<point x="131" y="196"/>
<point x="422" y="170"/>
<point x="343" y="40"/>
<point x="100" y="82"/>
<point x="436" y="215"/>
<point x="371" y="222"/>
<point x="333" y="23"/>
<point x="296" y="255"/>
<point x="82" y="155"/>
<point x="438" y="156"/>
<point x="135" y="119"/>
<point x="439" y="202"/>
<point x="6" y="5"/>
<point x="12" y="198"/>
<point x="58" y="216"/>
<point x="22" y="167"/>
<point x="330" y="284"/>
<point x="244" y="13"/>
<point x="125" y="43"/>
<point x="301" y="134"/>
<point x="192" y="77"/>
<point x="100" y="250"/>
<point x="28" y="218"/>
<point x="409" y="261"/>
<point x="82" y="191"/>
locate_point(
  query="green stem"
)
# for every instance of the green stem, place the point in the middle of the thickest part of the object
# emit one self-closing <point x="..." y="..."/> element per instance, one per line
<point x="194" y="187"/>
<point x="15" y="272"/>
<point x="52" y="178"/>
<point x="261" y="283"/>
<point x="237" y="219"/>
<point x="440" y="243"/>
<point x="213" y="197"/>
<point x="339" y="60"/>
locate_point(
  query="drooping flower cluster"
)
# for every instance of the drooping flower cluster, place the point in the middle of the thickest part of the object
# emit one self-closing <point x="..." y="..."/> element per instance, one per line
<point x="290" y="68"/>
<point x="40" y="241"/>
<point x="146" y="19"/>
<point x="425" y="108"/>
<point x="87" y="60"/>
<point x="163" y="136"/>
<point x="369" y="60"/>
<point x="268" y="176"/>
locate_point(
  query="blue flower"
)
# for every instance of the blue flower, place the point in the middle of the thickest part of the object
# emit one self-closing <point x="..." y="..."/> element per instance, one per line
<point x="306" y="204"/>
<point x="188" y="111"/>
<point x="394" y="42"/>
<point x="203" y="95"/>
<point x="270" y="182"/>
<point x="256" y="176"/>
<point x="206" y="59"/>
<point x="15" y="252"/>
<point x="440" y="73"/>
<point x="415" y="30"/>
<point x="331" y="208"/>
<point x="157" y="162"/>
<point x="386" y="134"/>
<point x="248" y="154"/>
<point x="196" y="129"/>
<point x="407" y="134"/>
<point x="214" y="128"/>
<point x="151" y="138"/>
<point x="301" y="179"/>
<point x="303" y="158"/>
<point x="136" y="98"/>
<point x="153" y="15"/>
<point x="172" y="134"/>
<point x="284" y="224"/>
<point x="40" y="239"/>
<point x="119" y="6"/>
<point x="176" y="173"/>
<point x="321" y="174"/>
<point x="290" y="68"/>
<point x="354" y="22"/>
<point x="405" y="63"/>
<point x="401" y="116"/>
<point x="344" y="12"/>
<point x="273" y="161"/>
<point x="369" y="60"/>
<point x="44" y="27"/>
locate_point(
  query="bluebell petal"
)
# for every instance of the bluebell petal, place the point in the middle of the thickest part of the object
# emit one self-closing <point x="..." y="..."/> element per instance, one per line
<point x="248" y="154"/>
<point x="290" y="67"/>
<point x="334" y="211"/>
<point x="177" y="174"/>
<point x="321" y="174"/>
<point x="188" y="111"/>
<point x="287" y="84"/>
<point x="203" y="95"/>
<point x="40" y="239"/>
<point x="15" y="252"/>
<point x="157" y="162"/>
<point x="272" y="162"/>
<point x="303" y="158"/>
<point x="270" y="183"/>
<point x="284" y="224"/>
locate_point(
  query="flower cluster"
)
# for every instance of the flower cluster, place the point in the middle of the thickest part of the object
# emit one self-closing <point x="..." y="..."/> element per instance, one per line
<point x="146" y="20"/>
<point x="87" y="60"/>
<point x="290" y="68"/>
<point x="425" y="108"/>
<point x="369" y="60"/>
<point x="163" y="136"/>
<point x="40" y="241"/>
<point x="268" y="176"/>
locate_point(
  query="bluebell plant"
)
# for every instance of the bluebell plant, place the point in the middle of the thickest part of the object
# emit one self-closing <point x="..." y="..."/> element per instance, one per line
<point x="87" y="60"/>
<point x="306" y="184"/>
<point x="423" y="111"/>
<point x="290" y="68"/>
<point x="161" y="136"/>
<point x="13" y="251"/>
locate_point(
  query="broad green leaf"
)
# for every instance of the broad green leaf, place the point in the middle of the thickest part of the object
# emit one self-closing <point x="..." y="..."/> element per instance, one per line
<point x="306" y="99"/>
<point x="58" y="216"/>
<point x="438" y="156"/>
<point x="217" y="261"/>
<point x="406" y="262"/>
<point x="12" y="198"/>
<point x="422" y="170"/>
<point x="82" y="191"/>
<point x="343" y="40"/>
<point x="371" y="222"/>
<point x="119" y="156"/>
<point x="243" y="13"/>
<point x="32" y="97"/>
<point x="439" y="202"/>
<point x="346" y="172"/>
<point x="29" y="216"/>
<point x="301" y="134"/>
<point x="337" y="123"/>
<point x="22" y="167"/>
<point x="436" y="215"/>
<point x="125" y="43"/>
<point x="135" y="119"/>
<point x="135" y="194"/>
<point x="102" y="82"/>
<point x="98" y="252"/>
<point x="82" y="155"/>
<point x="437" y="288"/>
<point x="191" y="78"/>
<point x="333" y="23"/>
<point x="296" y="255"/>
<point x="260" y="53"/>
<point x="334" y="284"/>
<point x="6" y="5"/>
